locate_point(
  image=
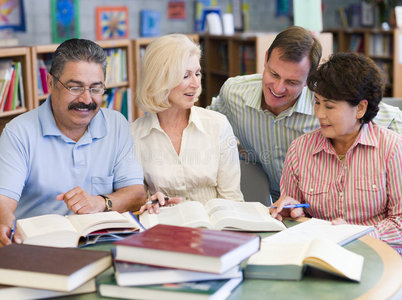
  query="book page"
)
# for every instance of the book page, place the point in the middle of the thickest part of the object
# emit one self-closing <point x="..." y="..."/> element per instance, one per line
<point x="188" y="213"/>
<point x="279" y="254"/>
<point x="251" y="216"/>
<point x="48" y="230"/>
<point x="88" y="223"/>
<point x="316" y="228"/>
<point x="327" y="255"/>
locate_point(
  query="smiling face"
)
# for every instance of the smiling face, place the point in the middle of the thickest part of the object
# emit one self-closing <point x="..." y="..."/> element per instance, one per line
<point x="339" y="120"/>
<point x="283" y="81"/>
<point x="184" y="95"/>
<point x="74" y="113"/>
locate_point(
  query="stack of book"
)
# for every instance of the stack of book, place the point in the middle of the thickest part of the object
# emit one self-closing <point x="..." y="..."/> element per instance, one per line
<point x="36" y="272"/>
<point x="166" y="262"/>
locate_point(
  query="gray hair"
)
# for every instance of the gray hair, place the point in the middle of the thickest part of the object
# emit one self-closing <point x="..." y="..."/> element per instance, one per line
<point x="77" y="50"/>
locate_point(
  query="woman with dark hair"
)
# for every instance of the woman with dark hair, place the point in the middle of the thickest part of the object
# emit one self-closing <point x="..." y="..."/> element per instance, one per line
<point x="349" y="169"/>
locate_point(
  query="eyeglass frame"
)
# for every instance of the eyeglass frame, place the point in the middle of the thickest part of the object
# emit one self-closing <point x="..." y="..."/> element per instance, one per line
<point x="81" y="88"/>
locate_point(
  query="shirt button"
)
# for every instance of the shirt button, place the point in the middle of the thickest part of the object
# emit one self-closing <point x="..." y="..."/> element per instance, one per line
<point x="311" y="190"/>
<point x="374" y="186"/>
<point x="341" y="194"/>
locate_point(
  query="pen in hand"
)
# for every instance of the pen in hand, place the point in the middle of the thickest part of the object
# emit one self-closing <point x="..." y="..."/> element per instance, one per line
<point x="12" y="232"/>
<point x="292" y="205"/>
<point x="155" y="201"/>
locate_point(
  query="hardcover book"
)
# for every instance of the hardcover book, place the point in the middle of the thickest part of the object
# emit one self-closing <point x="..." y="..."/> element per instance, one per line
<point x="196" y="249"/>
<point x="66" y="231"/>
<point x="24" y="293"/>
<point x="50" y="268"/>
<point x="131" y="274"/>
<point x="210" y="289"/>
<point x="287" y="261"/>
<point x="216" y="214"/>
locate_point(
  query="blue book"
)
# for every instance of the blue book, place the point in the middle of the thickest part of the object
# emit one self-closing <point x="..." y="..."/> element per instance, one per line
<point x="150" y="23"/>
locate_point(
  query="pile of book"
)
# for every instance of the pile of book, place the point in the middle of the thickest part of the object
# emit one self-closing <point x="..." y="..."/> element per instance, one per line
<point x="176" y="262"/>
<point x="36" y="272"/>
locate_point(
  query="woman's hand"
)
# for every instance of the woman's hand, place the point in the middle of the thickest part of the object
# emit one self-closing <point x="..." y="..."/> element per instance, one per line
<point x="278" y="212"/>
<point x="156" y="200"/>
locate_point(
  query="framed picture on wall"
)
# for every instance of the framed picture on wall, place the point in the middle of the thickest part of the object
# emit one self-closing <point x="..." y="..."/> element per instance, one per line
<point x="12" y="15"/>
<point x="111" y="22"/>
<point x="65" y="20"/>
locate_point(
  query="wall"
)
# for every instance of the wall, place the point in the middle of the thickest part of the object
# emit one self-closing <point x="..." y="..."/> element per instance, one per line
<point x="37" y="13"/>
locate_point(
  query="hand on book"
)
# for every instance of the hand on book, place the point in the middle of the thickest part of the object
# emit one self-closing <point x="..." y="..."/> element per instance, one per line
<point x="156" y="200"/>
<point x="338" y="221"/>
<point x="279" y="211"/>
<point x="81" y="202"/>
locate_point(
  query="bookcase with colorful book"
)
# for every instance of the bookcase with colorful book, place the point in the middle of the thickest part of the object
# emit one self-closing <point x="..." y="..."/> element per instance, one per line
<point x="15" y="82"/>
<point x="119" y="75"/>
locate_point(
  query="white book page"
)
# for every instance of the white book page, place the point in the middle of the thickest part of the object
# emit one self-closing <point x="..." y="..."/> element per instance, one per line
<point x="339" y="259"/>
<point x="316" y="228"/>
<point x="188" y="213"/>
<point x="241" y="215"/>
<point x="279" y="254"/>
<point x="87" y="223"/>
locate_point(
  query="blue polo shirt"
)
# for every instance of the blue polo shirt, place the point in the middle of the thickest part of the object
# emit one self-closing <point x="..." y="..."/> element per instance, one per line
<point x="38" y="162"/>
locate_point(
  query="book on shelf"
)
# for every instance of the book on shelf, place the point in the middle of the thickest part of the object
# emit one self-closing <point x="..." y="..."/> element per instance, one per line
<point x="6" y="71"/>
<point x="285" y="261"/>
<point x="42" y="74"/>
<point x="8" y="102"/>
<point x="66" y="231"/>
<point x="196" y="249"/>
<point x="317" y="228"/>
<point x="216" y="214"/>
<point x="23" y="293"/>
<point x="210" y="289"/>
<point x="132" y="274"/>
<point x="51" y="268"/>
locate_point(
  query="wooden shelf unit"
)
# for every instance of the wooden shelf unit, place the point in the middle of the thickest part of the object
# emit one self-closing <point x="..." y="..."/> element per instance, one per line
<point x="380" y="45"/>
<point x="38" y="51"/>
<point x="23" y="55"/>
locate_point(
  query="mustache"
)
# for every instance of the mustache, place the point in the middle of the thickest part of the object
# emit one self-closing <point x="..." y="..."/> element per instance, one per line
<point x="80" y="105"/>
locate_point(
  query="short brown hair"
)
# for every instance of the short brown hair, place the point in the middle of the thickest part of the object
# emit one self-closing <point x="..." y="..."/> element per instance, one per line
<point x="295" y="43"/>
<point x="349" y="77"/>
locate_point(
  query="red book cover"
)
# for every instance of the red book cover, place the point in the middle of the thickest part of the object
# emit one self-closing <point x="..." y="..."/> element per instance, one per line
<point x="8" y="105"/>
<point x="181" y="247"/>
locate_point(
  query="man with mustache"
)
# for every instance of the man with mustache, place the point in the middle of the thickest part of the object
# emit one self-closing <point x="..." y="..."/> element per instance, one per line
<point x="69" y="155"/>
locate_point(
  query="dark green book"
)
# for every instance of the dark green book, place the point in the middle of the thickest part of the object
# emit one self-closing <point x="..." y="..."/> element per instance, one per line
<point x="209" y="289"/>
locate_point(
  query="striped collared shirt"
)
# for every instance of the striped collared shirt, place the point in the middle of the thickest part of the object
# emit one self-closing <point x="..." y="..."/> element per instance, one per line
<point x="366" y="188"/>
<point x="266" y="137"/>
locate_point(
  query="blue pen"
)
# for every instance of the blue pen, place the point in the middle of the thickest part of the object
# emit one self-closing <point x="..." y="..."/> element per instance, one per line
<point x="293" y="205"/>
<point x="138" y="221"/>
<point x="13" y="230"/>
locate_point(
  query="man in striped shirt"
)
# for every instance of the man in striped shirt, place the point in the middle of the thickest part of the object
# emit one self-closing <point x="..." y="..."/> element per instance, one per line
<point x="268" y="111"/>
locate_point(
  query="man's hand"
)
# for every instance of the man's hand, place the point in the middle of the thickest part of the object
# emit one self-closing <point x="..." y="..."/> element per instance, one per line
<point x="279" y="212"/>
<point x="80" y="202"/>
<point x="7" y="218"/>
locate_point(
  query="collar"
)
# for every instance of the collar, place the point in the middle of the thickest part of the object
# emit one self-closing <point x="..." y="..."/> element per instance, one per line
<point x="366" y="137"/>
<point x="97" y="128"/>
<point x="151" y="122"/>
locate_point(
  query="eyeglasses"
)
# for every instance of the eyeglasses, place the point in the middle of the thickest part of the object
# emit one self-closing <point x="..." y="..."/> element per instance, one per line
<point x="79" y="90"/>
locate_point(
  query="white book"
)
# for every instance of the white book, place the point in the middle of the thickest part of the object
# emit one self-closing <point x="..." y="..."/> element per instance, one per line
<point x="220" y="214"/>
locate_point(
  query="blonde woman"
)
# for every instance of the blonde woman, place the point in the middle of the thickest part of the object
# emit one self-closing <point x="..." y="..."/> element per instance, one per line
<point x="187" y="152"/>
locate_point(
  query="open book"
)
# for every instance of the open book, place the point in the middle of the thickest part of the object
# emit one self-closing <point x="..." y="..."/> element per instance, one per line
<point x="283" y="261"/>
<point x="66" y="231"/>
<point x="216" y="214"/>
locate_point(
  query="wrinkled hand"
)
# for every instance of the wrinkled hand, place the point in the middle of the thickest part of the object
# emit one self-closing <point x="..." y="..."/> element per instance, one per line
<point x="154" y="207"/>
<point x="279" y="212"/>
<point x="80" y="202"/>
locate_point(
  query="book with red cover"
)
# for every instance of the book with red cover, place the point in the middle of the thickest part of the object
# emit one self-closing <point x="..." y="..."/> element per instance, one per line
<point x="8" y="104"/>
<point x="51" y="268"/>
<point x="188" y="248"/>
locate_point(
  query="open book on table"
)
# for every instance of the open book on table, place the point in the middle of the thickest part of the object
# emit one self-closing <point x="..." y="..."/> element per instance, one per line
<point x="216" y="214"/>
<point x="66" y="231"/>
<point x="284" y="261"/>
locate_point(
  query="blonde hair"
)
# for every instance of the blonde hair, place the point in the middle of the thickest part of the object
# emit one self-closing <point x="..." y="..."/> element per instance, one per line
<point x="163" y="68"/>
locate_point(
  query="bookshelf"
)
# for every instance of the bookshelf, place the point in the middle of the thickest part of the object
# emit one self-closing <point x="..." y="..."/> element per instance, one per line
<point x="138" y="47"/>
<point x="121" y="80"/>
<point x="239" y="54"/>
<point x="380" y="45"/>
<point x="22" y="55"/>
